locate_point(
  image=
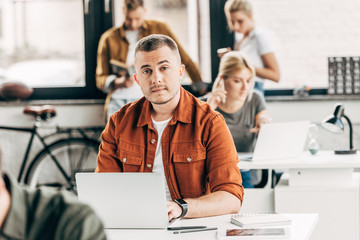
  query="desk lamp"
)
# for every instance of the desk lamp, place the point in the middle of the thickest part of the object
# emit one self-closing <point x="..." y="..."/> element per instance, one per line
<point x="333" y="123"/>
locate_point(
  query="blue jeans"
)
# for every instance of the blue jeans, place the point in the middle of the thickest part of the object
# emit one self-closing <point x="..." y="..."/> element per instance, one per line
<point x="246" y="178"/>
<point x="260" y="87"/>
<point x="115" y="105"/>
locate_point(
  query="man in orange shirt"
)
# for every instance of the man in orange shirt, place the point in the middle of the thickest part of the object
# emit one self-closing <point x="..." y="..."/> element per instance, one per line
<point x="172" y="132"/>
<point x="118" y="43"/>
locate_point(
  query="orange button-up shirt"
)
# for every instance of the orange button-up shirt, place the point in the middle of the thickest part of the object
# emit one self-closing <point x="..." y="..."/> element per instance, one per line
<point x="198" y="152"/>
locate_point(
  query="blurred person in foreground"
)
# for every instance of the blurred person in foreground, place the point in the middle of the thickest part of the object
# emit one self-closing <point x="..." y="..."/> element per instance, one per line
<point x="44" y="213"/>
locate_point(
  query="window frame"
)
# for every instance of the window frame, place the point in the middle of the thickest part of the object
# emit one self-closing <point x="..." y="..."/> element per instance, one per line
<point x="96" y="21"/>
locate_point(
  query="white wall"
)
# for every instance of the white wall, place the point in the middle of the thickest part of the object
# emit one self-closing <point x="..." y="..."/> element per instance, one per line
<point x="91" y="114"/>
<point x="307" y="33"/>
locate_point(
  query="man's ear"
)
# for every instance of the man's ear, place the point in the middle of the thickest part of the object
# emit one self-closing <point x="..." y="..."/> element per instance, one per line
<point x="2" y="184"/>
<point x="182" y="71"/>
<point x="136" y="79"/>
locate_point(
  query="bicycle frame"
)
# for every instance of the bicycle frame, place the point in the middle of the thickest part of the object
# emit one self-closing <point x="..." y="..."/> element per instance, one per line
<point x="33" y="131"/>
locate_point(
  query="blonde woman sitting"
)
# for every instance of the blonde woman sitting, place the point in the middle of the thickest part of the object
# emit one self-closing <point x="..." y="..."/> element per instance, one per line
<point x="243" y="107"/>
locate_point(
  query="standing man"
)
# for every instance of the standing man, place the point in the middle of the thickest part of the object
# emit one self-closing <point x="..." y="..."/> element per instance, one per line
<point x="44" y="213"/>
<point x="172" y="132"/>
<point x="118" y="43"/>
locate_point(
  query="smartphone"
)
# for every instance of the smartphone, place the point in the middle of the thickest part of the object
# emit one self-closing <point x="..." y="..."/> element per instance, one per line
<point x="222" y="51"/>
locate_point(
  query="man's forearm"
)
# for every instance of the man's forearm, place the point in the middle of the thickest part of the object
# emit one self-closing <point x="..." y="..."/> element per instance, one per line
<point x="216" y="203"/>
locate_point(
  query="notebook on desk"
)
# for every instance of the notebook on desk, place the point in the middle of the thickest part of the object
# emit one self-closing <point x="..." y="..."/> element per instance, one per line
<point x="278" y="141"/>
<point x="259" y="220"/>
<point x="125" y="200"/>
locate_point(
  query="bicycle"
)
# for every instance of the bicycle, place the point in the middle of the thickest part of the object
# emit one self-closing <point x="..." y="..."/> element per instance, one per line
<point x="56" y="164"/>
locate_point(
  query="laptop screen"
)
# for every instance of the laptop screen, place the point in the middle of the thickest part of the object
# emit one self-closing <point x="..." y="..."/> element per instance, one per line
<point x="283" y="140"/>
<point x="125" y="200"/>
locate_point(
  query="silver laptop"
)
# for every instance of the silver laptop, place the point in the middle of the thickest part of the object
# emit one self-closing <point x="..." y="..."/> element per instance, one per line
<point x="125" y="200"/>
<point x="283" y="140"/>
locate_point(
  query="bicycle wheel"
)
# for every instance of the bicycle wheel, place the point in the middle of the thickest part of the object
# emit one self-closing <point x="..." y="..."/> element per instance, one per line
<point x="56" y="165"/>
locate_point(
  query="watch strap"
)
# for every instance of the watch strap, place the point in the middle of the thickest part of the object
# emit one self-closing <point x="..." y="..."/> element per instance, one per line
<point x="183" y="205"/>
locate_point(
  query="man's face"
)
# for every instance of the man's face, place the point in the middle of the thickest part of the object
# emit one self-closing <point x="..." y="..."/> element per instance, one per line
<point x="159" y="73"/>
<point x="134" y="18"/>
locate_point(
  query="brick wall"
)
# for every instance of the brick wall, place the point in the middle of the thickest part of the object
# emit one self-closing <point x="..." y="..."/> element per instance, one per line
<point x="307" y="33"/>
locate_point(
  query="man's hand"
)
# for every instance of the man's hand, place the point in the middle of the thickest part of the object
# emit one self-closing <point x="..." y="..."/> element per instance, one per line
<point x="123" y="82"/>
<point x="174" y="210"/>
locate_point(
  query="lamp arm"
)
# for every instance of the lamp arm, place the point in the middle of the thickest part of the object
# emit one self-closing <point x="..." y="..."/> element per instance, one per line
<point x="351" y="131"/>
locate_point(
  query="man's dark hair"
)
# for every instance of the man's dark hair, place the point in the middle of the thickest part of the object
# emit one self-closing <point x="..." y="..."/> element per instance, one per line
<point x="156" y="41"/>
<point x="133" y="4"/>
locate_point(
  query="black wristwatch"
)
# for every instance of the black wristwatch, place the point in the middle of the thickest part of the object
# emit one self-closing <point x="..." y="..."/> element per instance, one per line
<point x="183" y="205"/>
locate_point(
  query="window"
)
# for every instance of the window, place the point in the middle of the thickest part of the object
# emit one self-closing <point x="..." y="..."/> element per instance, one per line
<point x="45" y="46"/>
<point x="51" y="45"/>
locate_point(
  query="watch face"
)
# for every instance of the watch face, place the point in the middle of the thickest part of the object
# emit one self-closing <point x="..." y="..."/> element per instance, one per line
<point x="181" y="201"/>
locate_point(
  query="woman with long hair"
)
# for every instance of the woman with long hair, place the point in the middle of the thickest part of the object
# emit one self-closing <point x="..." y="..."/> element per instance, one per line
<point x="243" y="107"/>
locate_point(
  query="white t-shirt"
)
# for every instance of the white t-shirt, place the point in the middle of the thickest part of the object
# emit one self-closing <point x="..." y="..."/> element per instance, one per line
<point x="258" y="43"/>
<point x="158" y="161"/>
<point x="133" y="38"/>
<point x="134" y="92"/>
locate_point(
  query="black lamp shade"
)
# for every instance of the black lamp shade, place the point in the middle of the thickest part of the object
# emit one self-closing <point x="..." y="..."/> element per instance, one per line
<point x="333" y="123"/>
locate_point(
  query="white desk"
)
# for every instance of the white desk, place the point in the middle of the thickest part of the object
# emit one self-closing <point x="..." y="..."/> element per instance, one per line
<point x="322" y="169"/>
<point x="323" y="159"/>
<point x="324" y="183"/>
<point x="301" y="228"/>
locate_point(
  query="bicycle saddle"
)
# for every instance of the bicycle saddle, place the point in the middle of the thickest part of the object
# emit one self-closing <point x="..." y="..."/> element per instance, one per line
<point x="44" y="112"/>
